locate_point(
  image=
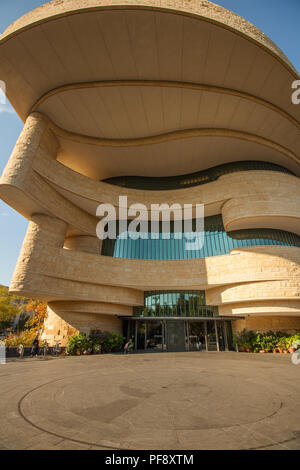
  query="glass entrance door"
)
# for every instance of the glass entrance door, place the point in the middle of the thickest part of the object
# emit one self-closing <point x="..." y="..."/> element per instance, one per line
<point x="212" y="344"/>
<point x="180" y="335"/>
<point x="176" y="337"/>
<point x="155" y="336"/>
<point x="197" y="340"/>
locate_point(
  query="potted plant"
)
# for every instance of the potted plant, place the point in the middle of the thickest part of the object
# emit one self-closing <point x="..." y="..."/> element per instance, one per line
<point x="296" y="343"/>
<point x="281" y="345"/>
<point x="288" y="345"/>
<point x="264" y="344"/>
<point x="97" y="348"/>
<point x="77" y="344"/>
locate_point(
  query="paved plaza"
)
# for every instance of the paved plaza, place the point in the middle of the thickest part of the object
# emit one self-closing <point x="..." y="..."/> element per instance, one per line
<point x="151" y="401"/>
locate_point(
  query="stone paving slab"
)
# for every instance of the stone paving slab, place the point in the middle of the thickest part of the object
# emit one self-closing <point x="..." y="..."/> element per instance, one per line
<point x="155" y="401"/>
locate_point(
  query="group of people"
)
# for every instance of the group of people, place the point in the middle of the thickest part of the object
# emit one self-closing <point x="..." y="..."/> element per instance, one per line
<point x="35" y="349"/>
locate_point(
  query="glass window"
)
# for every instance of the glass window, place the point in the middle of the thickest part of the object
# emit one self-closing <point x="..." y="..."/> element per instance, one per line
<point x="216" y="242"/>
<point x="174" y="303"/>
<point x="193" y="179"/>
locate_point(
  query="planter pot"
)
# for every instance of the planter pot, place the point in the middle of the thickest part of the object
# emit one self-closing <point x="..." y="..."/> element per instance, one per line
<point x="274" y="351"/>
<point x="242" y="348"/>
<point x="292" y="350"/>
<point x="280" y="350"/>
<point x="248" y="350"/>
<point x="78" y="352"/>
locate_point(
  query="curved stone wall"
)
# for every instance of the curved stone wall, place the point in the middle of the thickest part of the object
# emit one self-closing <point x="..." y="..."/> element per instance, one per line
<point x="247" y="292"/>
<point x="81" y="284"/>
<point x="85" y="243"/>
<point x="263" y="324"/>
<point x="250" y="117"/>
<point x="258" y="211"/>
<point x="39" y="183"/>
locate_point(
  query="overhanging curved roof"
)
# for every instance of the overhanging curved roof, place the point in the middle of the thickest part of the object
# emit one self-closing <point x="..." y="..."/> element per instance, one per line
<point x="149" y="88"/>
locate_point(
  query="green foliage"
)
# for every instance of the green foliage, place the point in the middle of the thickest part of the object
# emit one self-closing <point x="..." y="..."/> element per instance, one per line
<point x="8" y="312"/>
<point x="31" y="325"/>
<point x="10" y="306"/>
<point x="98" y="341"/>
<point x="97" y="348"/>
<point x="112" y="343"/>
<point x="25" y="337"/>
<point x="245" y="338"/>
<point x="255" y="341"/>
<point x="77" y="343"/>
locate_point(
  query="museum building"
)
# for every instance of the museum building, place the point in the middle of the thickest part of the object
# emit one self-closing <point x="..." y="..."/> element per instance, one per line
<point x="163" y="102"/>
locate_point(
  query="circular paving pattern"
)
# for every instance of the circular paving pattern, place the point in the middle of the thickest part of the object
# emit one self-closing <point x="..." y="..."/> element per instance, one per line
<point x="157" y="401"/>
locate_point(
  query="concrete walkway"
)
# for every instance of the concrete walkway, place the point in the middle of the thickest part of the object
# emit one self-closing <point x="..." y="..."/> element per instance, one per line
<point x="151" y="401"/>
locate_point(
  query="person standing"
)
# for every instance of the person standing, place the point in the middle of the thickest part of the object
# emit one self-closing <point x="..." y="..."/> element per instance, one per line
<point x="21" y="351"/>
<point x="2" y="352"/>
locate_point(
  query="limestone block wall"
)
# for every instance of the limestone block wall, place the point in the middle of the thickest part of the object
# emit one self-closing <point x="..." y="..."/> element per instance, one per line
<point x="259" y="211"/>
<point x="249" y="291"/>
<point x="85" y="243"/>
<point x="60" y="261"/>
<point x="58" y="328"/>
<point x="279" y="192"/>
<point x="264" y="324"/>
<point x="265" y="308"/>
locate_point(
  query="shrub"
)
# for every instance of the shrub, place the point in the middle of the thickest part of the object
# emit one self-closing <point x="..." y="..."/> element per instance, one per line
<point x="77" y="343"/>
<point x="26" y="338"/>
<point x="112" y="342"/>
<point x="99" y="340"/>
<point x="246" y="339"/>
<point x="265" y="341"/>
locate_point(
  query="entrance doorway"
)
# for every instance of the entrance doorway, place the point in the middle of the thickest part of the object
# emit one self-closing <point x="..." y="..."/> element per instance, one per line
<point x="176" y="335"/>
<point x="197" y="336"/>
<point x="162" y="334"/>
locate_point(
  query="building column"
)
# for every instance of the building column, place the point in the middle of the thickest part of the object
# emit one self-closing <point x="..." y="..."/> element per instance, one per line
<point x="225" y="335"/>
<point x="35" y="137"/>
<point x="217" y="335"/>
<point x="86" y="243"/>
<point x="47" y="230"/>
<point x="43" y="234"/>
<point x="206" y="339"/>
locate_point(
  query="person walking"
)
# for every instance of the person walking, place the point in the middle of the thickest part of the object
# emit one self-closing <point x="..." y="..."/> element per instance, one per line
<point x="128" y="347"/>
<point x="35" y="347"/>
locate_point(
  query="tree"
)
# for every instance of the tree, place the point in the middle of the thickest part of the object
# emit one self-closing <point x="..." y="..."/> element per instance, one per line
<point x="10" y="307"/>
<point x="32" y="325"/>
<point x="36" y="321"/>
<point x="8" y="312"/>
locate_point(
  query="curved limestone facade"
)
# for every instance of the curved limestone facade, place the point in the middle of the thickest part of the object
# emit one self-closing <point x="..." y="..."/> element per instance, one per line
<point x="117" y="96"/>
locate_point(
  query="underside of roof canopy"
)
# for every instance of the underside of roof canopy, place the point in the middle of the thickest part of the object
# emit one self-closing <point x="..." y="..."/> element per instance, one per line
<point x="152" y="88"/>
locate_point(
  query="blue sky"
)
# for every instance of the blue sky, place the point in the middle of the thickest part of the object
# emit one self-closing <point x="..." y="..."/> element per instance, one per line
<point x="279" y="19"/>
